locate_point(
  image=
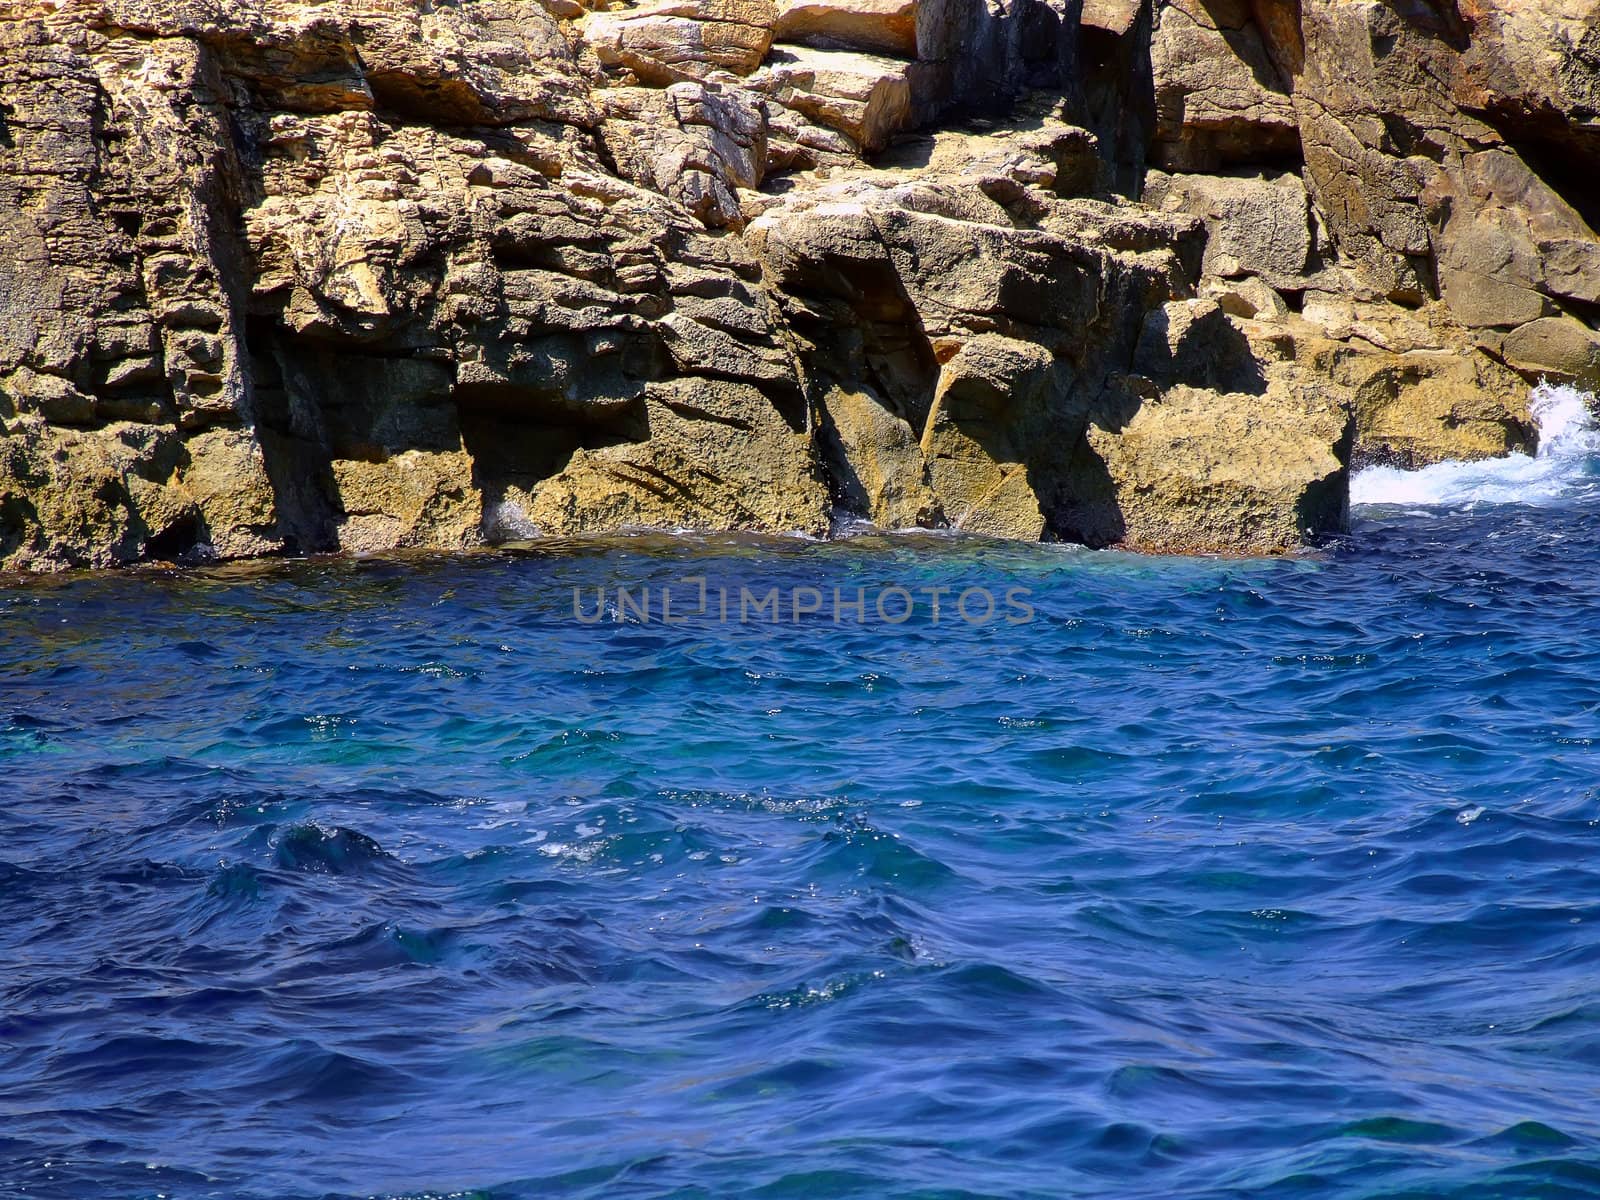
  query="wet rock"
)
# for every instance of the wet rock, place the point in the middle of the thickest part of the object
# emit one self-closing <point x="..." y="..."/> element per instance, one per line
<point x="978" y="464"/>
<point x="1429" y="406"/>
<point x="876" y="460"/>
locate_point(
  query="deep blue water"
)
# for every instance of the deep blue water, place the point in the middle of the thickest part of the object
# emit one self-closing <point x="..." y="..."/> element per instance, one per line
<point x="1217" y="879"/>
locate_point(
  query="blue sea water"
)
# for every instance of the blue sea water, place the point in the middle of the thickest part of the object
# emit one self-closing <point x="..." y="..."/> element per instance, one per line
<point x="1215" y="879"/>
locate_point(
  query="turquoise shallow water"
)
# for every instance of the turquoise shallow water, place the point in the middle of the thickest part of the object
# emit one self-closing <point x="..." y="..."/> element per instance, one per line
<point x="1216" y="879"/>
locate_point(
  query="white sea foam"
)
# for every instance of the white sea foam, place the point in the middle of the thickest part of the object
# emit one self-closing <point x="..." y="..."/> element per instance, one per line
<point x="1568" y="459"/>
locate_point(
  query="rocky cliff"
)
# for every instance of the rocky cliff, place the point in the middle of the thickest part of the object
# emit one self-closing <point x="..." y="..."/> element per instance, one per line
<point x="362" y="274"/>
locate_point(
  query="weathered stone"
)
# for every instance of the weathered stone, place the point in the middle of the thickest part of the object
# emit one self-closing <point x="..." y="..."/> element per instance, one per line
<point x="1255" y="224"/>
<point x="1531" y="69"/>
<point x="1558" y="347"/>
<point x="1427" y="406"/>
<point x="695" y="144"/>
<point x="865" y="97"/>
<point x="1219" y="96"/>
<point x="690" y="473"/>
<point x="877" y="462"/>
<point x="1015" y="354"/>
<point x="1194" y="343"/>
<point x="226" y="477"/>
<point x="417" y="498"/>
<point x="672" y="40"/>
<point x="1419" y="192"/>
<point x="977" y="462"/>
<point x="364" y="275"/>
<point x="879" y="26"/>
<point x="1208" y="471"/>
<point x="1247" y="298"/>
<point x="81" y="498"/>
<point x="1114" y="17"/>
<point x="1116" y="80"/>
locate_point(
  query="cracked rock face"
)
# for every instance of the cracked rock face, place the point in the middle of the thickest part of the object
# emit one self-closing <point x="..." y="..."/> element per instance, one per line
<point x="289" y="276"/>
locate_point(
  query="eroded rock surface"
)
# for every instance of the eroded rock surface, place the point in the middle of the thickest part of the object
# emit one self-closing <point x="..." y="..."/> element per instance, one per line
<point x="290" y="276"/>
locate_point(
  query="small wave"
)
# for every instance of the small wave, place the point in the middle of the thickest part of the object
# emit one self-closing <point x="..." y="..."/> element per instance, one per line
<point x="1569" y="445"/>
<point x="336" y="851"/>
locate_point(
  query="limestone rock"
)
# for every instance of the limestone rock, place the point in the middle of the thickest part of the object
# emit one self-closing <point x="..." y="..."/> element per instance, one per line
<point x="672" y="40"/>
<point x="1005" y="346"/>
<point x="879" y="26"/>
<point x="1419" y="192"/>
<point x="877" y="462"/>
<point x="690" y="473"/>
<point x="1207" y="471"/>
<point x="1560" y="348"/>
<point x="81" y="498"/>
<point x="1428" y="406"/>
<point x="1117" y="86"/>
<point x="417" y="498"/>
<point x="696" y="143"/>
<point x="363" y="274"/>
<point x="865" y="97"/>
<point x="1219" y="96"/>
<point x="225" y="475"/>
<point x="1114" y="17"/>
<point x="975" y="458"/>
<point x="1247" y="298"/>
<point x="1531" y="69"/>
<point x="1256" y="224"/>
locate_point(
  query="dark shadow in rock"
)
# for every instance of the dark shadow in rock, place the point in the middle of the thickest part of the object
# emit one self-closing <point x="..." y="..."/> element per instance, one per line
<point x="18" y="521"/>
<point x="178" y="542"/>
<point x="1564" y="154"/>
<point x="1089" y="513"/>
<point x="869" y="329"/>
<point x="1117" y="97"/>
<point x="1204" y="350"/>
<point x="294" y="444"/>
<point x="430" y="101"/>
<point x="517" y="441"/>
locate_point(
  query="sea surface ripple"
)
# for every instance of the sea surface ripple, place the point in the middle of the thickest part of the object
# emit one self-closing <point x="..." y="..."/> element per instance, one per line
<point x="1217" y="879"/>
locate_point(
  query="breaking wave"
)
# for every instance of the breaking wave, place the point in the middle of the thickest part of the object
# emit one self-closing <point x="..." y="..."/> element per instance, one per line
<point x="1569" y="449"/>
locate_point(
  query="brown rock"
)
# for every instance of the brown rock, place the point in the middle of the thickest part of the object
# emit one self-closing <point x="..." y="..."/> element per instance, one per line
<point x="976" y="460"/>
<point x="1256" y="224"/>
<point x="1429" y="406"/>
<point x="696" y="143"/>
<point x="225" y="476"/>
<point x="865" y="97"/>
<point x="672" y="40"/>
<point x="1204" y="471"/>
<point x="878" y="26"/>
<point x="1219" y="96"/>
<point x="877" y="462"/>
<point x="417" y="498"/>
<point x="365" y="275"/>
<point x="1558" y="347"/>
<point x="691" y="473"/>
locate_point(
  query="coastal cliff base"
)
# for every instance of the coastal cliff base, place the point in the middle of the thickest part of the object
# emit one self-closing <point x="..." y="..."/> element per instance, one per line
<point x="288" y="277"/>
